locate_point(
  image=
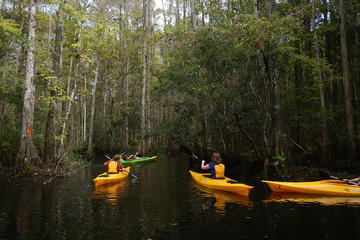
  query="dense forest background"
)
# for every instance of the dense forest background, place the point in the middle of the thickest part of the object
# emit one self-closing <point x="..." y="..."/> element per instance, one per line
<point x="260" y="79"/>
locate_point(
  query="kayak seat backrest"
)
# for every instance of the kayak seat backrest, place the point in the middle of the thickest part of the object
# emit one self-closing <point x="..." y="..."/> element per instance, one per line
<point x="209" y="176"/>
<point x="104" y="175"/>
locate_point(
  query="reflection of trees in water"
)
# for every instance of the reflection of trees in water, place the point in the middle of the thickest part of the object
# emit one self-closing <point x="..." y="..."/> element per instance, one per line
<point x="32" y="210"/>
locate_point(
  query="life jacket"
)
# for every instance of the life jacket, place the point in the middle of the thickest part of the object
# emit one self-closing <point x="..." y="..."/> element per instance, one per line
<point x="112" y="167"/>
<point x="219" y="171"/>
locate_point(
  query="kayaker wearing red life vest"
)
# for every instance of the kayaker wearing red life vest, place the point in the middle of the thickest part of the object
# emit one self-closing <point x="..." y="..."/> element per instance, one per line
<point x="114" y="166"/>
<point x="216" y="167"/>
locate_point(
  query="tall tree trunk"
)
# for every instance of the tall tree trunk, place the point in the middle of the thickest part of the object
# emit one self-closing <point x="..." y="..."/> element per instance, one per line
<point x="324" y="140"/>
<point x="192" y="13"/>
<point x="50" y="132"/>
<point x="277" y="123"/>
<point x="347" y="84"/>
<point x="143" y="86"/>
<point x="68" y="108"/>
<point x="127" y="102"/>
<point x="149" y="77"/>
<point x="20" y="50"/>
<point x="84" y="112"/>
<point x="92" y="117"/>
<point x="148" y="105"/>
<point x="177" y="15"/>
<point x="27" y="154"/>
<point x="279" y="146"/>
<point x="49" y="33"/>
<point x="164" y="13"/>
<point x="255" y="6"/>
<point x="184" y="9"/>
<point x="170" y="12"/>
<point x="203" y="13"/>
<point x="298" y="85"/>
<point x="126" y="124"/>
<point x="278" y="143"/>
<point x="103" y="112"/>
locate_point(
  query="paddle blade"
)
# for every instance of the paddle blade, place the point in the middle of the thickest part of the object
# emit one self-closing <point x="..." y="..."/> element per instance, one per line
<point x="325" y="175"/>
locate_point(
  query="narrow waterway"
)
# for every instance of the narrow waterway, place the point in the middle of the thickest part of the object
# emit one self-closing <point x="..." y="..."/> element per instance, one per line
<point x="164" y="203"/>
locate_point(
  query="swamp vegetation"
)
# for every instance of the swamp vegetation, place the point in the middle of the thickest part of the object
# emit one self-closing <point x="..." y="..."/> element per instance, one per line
<point x="264" y="82"/>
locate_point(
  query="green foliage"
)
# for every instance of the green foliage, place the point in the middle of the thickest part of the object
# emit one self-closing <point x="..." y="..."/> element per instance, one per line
<point x="280" y="160"/>
<point x="8" y="30"/>
<point x="72" y="163"/>
<point x="8" y="135"/>
<point x="207" y="81"/>
<point x="211" y="66"/>
<point x="8" y="27"/>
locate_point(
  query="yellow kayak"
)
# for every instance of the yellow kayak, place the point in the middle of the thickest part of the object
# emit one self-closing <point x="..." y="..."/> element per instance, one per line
<point x="225" y="184"/>
<point x="304" y="198"/>
<point x="325" y="187"/>
<point x="106" y="178"/>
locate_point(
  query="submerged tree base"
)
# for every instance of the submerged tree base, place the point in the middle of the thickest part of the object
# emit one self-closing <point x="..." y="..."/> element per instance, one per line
<point x="38" y="175"/>
<point x="44" y="175"/>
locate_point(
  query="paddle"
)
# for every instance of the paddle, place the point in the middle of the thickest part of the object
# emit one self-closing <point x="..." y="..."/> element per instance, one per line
<point x="326" y="175"/>
<point x="122" y="169"/>
<point x="195" y="156"/>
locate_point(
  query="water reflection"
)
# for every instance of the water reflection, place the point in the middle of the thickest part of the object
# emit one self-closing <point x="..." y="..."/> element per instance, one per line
<point x="313" y="198"/>
<point x="112" y="193"/>
<point x="215" y="200"/>
<point x="163" y="203"/>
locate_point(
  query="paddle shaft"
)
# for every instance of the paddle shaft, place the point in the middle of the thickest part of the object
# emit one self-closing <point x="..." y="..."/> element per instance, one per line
<point x="337" y="178"/>
<point x="326" y="175"/>
<point x="348" y="181"/>
<point x="129" y="173"/>
<point x="196" y="157"/>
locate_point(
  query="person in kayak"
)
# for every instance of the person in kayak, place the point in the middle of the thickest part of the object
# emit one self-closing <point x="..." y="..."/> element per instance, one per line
<point x="354" y="181"/>
<point x="136" y="156"/>
<point x="216" y="167"/>
<point x="114" y="165"/>
<point x="123" y="155"/>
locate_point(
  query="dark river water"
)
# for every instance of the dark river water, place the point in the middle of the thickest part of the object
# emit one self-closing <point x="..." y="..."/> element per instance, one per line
<point x="164" y="203"/>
